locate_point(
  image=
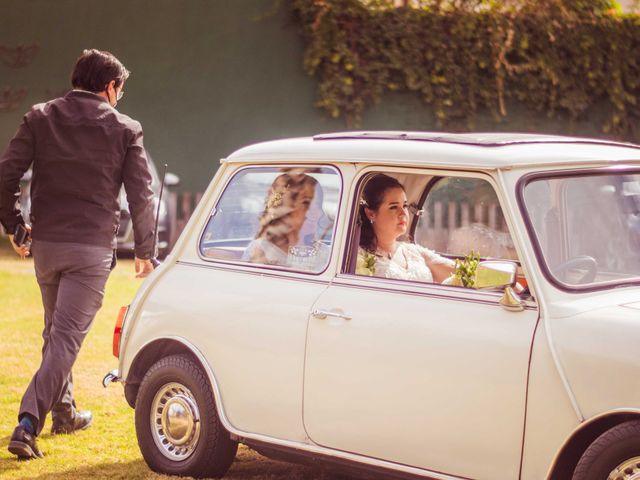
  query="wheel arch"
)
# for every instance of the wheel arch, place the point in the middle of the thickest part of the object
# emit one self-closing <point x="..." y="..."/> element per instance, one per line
<point x="573" y="448"/>
<point x="154" y="351"/>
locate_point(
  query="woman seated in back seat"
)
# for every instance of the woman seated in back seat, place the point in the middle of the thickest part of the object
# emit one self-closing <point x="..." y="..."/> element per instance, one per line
<point x="281" y="238"/>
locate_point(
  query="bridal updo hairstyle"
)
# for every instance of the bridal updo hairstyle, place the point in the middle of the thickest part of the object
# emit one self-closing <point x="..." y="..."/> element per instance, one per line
<point x="280" y="204"/>
<point x="372" y="197"/>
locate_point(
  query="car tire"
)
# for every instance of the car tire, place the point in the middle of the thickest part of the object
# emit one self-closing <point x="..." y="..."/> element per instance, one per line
<point x="614" y="455"/>
<point x="178" y="428"/>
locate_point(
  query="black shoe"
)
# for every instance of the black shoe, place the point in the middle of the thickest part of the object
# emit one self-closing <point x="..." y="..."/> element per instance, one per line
<point x="23" y="444"/>
<point x="80" y="421"/>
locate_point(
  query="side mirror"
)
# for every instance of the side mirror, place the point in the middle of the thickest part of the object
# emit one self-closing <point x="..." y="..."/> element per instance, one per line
<point x="493" y="274"/>
<point x="171" y="179"/>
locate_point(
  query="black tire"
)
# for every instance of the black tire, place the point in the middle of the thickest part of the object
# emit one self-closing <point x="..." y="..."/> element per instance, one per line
<point x="615" y="447"/>
<point x="211" y="450"/>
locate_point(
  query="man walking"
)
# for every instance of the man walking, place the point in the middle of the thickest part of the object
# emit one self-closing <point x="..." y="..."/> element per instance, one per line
<point x="82" y="150"/>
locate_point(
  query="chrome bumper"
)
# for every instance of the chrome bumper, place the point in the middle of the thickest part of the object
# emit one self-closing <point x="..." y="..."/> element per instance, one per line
<point x="112" y="376"/>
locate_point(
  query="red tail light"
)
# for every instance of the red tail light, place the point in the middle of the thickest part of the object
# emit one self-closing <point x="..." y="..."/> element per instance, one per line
<point x="117" y="331"/>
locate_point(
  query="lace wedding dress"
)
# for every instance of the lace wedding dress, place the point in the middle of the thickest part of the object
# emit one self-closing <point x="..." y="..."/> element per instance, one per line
<point x="408" y="262"/>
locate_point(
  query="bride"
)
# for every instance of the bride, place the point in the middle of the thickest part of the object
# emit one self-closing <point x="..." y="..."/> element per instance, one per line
<point x="384" y="215"/>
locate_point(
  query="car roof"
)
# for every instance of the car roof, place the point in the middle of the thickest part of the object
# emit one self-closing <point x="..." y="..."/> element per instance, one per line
<point x="454" y="150"/>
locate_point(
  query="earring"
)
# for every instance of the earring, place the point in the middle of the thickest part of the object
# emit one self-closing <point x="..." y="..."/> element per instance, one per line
<point x="371" y="220"/>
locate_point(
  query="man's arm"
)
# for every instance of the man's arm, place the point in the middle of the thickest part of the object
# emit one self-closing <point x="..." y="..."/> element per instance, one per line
<point x="14" y="163"/>
<point x="137" y="184"/>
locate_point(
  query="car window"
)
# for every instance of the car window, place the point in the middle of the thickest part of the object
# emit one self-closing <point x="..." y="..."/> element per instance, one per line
<point x="413" y="227"/>
<point x="281" y="217"/>
<point x="460" y="215"/>
<point x="587" y="227"/>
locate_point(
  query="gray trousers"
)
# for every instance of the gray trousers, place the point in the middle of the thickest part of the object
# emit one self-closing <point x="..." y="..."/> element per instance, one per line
<point x="72" y="278"/>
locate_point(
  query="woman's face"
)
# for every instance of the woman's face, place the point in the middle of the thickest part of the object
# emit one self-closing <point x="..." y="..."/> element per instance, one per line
<point x="390" y="220"/>
<point x="301" y="206"/>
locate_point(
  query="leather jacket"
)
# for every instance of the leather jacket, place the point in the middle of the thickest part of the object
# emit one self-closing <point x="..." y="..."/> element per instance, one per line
<point x="82" y="151"/>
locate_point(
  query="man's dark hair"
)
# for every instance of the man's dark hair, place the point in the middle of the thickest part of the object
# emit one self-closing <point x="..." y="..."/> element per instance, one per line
<point x="95" y="69"/>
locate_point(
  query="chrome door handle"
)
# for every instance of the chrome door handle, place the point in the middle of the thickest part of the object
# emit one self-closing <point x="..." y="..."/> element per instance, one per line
<point x="321" y="314"/>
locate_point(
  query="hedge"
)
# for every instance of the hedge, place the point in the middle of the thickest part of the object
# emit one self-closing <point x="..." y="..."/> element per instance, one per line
<point x="467" y="55"/>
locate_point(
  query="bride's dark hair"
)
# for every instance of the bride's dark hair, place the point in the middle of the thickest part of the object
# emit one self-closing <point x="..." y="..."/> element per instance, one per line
<point x="372" y="197"/>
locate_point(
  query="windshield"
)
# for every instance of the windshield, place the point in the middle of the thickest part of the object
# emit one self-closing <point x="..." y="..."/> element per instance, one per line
<point x="587" y="227"/>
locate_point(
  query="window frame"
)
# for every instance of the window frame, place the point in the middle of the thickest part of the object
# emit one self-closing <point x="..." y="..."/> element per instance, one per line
<point x="273" y="268"/>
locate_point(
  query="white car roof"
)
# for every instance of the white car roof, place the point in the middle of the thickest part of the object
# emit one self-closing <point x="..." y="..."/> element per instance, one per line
<point x="490" y="151"/>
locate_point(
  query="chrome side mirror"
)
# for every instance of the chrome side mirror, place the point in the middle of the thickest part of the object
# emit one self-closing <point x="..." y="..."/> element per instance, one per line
<point x="495" y="274"/>
<point x="492" y="274"/>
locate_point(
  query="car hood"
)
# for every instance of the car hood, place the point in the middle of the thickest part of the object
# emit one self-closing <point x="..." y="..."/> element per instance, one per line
<point x="626" y="298"/>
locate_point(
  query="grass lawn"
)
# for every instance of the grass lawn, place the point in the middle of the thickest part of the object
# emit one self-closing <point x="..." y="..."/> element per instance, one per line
<point x="109" y="448"/>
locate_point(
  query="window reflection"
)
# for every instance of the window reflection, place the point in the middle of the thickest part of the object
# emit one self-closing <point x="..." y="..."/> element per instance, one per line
<point x="281" y="217"/>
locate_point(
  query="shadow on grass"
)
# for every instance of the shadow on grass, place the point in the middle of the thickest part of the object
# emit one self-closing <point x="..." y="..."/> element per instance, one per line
<point x="263" y="469"/>
<point x="111" y="471"/>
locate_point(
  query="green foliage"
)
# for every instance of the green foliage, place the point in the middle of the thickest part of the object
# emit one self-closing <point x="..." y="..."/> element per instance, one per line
<point x="465" y="270"/>
<point x="555" y="56"/>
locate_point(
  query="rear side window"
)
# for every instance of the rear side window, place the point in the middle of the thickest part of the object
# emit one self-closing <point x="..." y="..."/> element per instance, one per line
<point x="281" y="217"/>
<point x="460" y="215"/>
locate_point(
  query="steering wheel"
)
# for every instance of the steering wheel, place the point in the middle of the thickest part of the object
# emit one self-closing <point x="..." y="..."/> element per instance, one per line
<point x="582" y="261"/>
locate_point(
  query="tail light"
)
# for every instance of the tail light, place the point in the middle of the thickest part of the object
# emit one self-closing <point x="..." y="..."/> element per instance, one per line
<point x="117" y="331"/>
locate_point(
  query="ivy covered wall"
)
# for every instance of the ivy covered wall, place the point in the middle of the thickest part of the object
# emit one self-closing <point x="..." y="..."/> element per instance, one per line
<point x="565" y="61"/>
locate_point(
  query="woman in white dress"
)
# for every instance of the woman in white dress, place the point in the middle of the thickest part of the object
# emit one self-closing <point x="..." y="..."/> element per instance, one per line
<point x="384" y="215"/>
<point x="286" y="208"/>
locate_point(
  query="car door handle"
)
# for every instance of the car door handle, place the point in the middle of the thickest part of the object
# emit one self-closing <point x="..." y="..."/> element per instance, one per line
<point x="321" y="314"/>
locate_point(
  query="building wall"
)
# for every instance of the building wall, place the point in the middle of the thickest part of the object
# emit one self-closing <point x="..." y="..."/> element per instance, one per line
<point x="208" y="76"/>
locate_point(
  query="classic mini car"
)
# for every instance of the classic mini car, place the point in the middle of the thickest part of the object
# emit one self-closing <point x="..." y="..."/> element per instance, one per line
<point x="271" y="324"/>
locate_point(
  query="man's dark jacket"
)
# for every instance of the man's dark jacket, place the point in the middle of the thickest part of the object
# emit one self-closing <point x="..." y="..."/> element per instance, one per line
<point x="82" y="150"/>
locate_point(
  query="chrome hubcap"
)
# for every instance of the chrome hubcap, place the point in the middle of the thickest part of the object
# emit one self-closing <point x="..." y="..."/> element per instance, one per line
<point x="175" y="421"/>
<point x="627" y="470"/>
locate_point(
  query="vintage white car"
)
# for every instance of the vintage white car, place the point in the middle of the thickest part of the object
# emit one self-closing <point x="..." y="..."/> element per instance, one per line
<point x="270" y="324"/>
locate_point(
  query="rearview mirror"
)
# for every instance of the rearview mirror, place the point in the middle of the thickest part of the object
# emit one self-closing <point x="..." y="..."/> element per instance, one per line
<point x="492" y="274"/>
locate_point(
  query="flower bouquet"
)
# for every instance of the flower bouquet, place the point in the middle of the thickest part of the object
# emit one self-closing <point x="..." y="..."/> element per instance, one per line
<point x="366" y="264"/>
<point x="465" y="271"/>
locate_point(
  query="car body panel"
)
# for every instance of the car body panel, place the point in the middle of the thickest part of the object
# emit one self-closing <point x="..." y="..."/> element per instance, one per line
<point x="599" y="352"/>
<point x="551" y="416"/>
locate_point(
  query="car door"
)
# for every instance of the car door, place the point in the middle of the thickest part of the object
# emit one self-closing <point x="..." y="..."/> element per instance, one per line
<point x="250" y="293"/>
<point x="424" y="375"/>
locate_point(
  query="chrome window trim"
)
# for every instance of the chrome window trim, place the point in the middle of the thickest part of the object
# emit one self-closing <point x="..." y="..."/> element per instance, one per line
<point x="423" y="289"/>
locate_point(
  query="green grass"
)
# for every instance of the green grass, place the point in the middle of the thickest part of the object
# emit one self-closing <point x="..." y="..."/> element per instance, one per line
<point x="109" y="448"/>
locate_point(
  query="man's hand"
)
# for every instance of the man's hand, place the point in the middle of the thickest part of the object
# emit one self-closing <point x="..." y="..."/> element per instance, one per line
<point x="143" y="267"/>
<point x="23" y="250"/>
